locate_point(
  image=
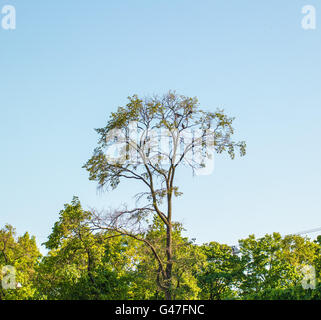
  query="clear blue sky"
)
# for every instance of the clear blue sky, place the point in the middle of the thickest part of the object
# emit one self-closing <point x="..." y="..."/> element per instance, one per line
<point x="70" y="63"/>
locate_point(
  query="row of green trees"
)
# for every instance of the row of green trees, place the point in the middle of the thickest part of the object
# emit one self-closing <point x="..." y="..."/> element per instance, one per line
<point x="84" y="262"/>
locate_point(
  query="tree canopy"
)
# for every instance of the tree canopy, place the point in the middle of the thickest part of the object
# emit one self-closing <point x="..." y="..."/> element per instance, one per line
<point x="89" y="263"/>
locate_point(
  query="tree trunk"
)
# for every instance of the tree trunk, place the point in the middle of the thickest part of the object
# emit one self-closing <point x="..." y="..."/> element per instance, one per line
<point x="169" y="247"/>
<point x="169" y="265"/>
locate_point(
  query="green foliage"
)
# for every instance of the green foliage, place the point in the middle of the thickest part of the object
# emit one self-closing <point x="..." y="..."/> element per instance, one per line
<point x="83" y="264"/>
<point x="172" y="112"/>
<point x="22" y="254"/>
<point x="291" y="293"/>
<point x="221" y="272"/>
<point x="273" y="262"/>
<point x="187" y="258"/>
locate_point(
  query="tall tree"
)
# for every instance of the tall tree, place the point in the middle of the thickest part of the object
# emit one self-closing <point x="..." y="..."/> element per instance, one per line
<point x="155" y="136"/>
